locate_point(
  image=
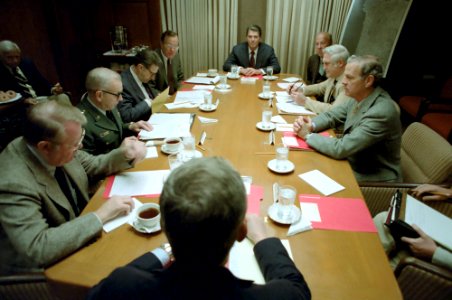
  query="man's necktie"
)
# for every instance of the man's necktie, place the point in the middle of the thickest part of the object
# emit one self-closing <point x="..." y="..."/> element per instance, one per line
<point x="170" y="76"/>
<point x="148" y="90"/>
<point x="110" y="115"/>
<point x="331" y="97"/>
<point x="67" y="189"/>
<point x="22" y="81"/>
<point x="252" y="62"/>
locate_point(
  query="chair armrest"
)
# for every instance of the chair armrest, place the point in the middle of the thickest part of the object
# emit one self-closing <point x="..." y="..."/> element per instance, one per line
<point x="422" y="280"/>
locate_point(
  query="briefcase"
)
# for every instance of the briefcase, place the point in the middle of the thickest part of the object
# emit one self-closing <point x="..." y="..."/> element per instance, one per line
<point x="397" y="226"/>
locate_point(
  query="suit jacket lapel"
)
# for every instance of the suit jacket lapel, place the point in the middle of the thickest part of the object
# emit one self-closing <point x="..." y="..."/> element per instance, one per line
<point x="133" y="84"/>
<point x="359" y="109"/>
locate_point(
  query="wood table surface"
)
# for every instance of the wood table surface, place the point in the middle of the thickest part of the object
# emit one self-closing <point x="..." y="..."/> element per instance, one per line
<point x="335" y="264"/>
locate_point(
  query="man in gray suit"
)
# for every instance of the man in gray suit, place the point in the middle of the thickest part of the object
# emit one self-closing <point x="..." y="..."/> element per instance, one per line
<point x="170" y="72"/>
<point x="252" y="56"/>
<point x="137" y="94"/>
<point x="372" y="129"/>
<point x="44" y="187"/>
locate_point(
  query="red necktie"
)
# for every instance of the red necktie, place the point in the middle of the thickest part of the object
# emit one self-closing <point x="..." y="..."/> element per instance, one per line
<point x="252" y="63"/>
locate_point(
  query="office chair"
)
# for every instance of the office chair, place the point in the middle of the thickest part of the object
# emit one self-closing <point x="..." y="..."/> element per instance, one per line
<point x="26" y="286"/>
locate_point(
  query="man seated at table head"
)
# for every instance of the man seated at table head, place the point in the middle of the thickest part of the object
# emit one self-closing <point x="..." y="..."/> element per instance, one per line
<point x="170" y="73"/>
<point x="315" y="69"/>
<point x="372" y="129"/>
<point x="137" y="93"/>
<point x="253" y="56"/>
<point x="105" y="129"/>
<point x="21" y="75"/>
<point x="203" y="206"/>
<point x="334" y="62"/>
<point x="44" y="188"/>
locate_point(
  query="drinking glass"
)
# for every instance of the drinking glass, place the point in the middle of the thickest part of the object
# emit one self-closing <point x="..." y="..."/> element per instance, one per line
<point x="223" y="82"/>
<point x="189" y="148"/>
<point x="282" y="155"/>
<point x="269" y="71"/>
<point x="266" y="89"/>
<point x="208" y="100"/>
<point x="266" y="116"/>
<point x="286" y="198"/>
<point x="234" y="70"/>
<point x="174" y="161"/>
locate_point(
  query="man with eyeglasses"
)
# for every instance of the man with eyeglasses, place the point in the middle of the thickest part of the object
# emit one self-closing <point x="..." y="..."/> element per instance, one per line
<point x="170" y="72"/>
<point x="45" y="186"/>
<point x="138" y="94"/>
<point x="105" y="129"/>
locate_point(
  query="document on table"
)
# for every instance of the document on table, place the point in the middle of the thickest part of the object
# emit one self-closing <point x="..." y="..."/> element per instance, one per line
<point x="321" y="182"/>
<point x="243" y="263"/>
<point x="432" y="222"/>
<point x="189" y="97"/>
<point x="203" y="80"/>
<point x="168" y="125"/>
<point x="289" y="108"/>
<point x="143" y="183"/>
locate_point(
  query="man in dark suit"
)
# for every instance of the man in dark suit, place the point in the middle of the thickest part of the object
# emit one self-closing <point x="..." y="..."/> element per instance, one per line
<point x="252" y="57"/>
<point x="170" y="67"/>
<point x="105" y="129"/>
<point x="371" y="121"/>
<point x="137" y="93"/>
<point x="315" y="71"/>
<point x="203" y="206"/>
<point x="22" y="76"/>
<point x="44" y="187"/>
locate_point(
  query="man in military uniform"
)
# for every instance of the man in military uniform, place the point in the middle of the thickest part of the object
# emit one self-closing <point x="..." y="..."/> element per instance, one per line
<point x="105" y="129"/>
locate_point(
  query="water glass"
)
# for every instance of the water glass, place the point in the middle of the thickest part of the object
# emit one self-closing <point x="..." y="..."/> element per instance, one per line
<point x="266" y="116"/>
<point x="174" y="161"/>
<point x="269" y="71"/>
<point x="266" y="90"/>
<point x="223" y="81"/>
<point x="189" y="148"/>
<point x="208" y="100"/>
<point x="234" y="70"/>
<point x="282" y="155"/>
<point x="286" y="199"/>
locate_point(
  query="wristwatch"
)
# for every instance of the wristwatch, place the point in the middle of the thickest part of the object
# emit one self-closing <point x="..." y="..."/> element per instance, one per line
<point x="167" y="248"/>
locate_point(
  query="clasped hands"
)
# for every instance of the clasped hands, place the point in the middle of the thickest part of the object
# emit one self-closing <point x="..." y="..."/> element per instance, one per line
<point x="250" y="71"/>
<point x="302" y="127"/>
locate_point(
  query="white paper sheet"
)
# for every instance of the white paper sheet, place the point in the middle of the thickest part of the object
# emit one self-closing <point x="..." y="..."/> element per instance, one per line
<point x="205" y="120"/>
<point x="278" y="119"/>
<point x="204" y="87"/>
<point x="321" y="182"/>
<point x="189" y="97"/>
<point x="291" y="108"/>
<point x="433" y="223"/>
<point x="139" y="183"/>
<point x="243" y="263"/>
<point x="151" y="152"/>
<point x="284" y="127"/>
<point x="203" y="80"/>
<point x="291" y="79"/>
<point x="119" y="221"/>
<point x="167" y="125"/>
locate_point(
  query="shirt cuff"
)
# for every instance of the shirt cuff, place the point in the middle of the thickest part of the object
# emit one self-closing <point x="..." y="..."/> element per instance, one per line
<point x="100" y="221"/>
<point x="313" y="127"/>
<point x="162" y="256"/>
<point x="148" y="101"/>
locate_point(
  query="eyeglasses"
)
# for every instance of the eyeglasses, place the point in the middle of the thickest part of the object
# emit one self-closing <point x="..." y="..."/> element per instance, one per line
<point x="113" y="94"/>
<point x="172" y="47"/>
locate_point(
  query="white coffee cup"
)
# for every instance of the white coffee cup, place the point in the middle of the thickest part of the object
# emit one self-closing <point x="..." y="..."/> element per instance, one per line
<point x="148" y="215"/>
<point x="212" y="72"/>
<point x="172" y="143"/>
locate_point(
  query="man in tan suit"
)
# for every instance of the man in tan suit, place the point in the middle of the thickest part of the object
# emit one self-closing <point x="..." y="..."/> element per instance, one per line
<point x="44" y="187"/>
<point x="334" y="62"/>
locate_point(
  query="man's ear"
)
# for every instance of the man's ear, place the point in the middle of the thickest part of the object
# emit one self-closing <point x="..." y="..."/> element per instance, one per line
<point x="241" y="233"/>
<point x="44" y="147"/>
<point x="369" y="81"/>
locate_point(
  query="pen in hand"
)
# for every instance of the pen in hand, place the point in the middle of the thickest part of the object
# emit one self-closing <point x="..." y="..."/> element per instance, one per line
<point x="293" y="87"/>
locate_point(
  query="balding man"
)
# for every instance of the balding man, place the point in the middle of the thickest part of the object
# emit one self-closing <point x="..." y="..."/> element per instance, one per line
<point x="105" y="129"/>
<point x="315" y="71"/>
<point x="44" y="187"/>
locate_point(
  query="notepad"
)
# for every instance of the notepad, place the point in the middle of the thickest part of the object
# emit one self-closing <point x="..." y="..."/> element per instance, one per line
<point x="321" y="182"/>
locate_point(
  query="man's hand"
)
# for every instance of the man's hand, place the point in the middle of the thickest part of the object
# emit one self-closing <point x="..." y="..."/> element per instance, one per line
<point x="113" y="207"/>
<point x="423" y="246"/>
<point x="133" y="149"/>
<point x="57" y="89"/>
<point x="250" y="71"/>
<point x="302" y="127"/>
<point x="257" y="230"/>
<point x="30" y="101"/>
<point x="298" y="97"/>
<point x="430" y="192"/>
<point x="137" y="126"/>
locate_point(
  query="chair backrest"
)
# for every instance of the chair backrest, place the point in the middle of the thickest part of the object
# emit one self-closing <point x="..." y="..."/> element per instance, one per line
<point x="426" y="157"/>
<point x="25" y="286"/>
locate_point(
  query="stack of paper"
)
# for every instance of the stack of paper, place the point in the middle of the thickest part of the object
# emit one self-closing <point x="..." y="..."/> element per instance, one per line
<point x="203" y="80"/>
<point x="321" y="182"/>
<point x="290" y="108"/>
<point x="168" y="125"/>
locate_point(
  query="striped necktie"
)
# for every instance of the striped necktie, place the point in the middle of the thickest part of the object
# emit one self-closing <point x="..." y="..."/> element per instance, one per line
<point x="22" y="81"/>
<point x="67" y="189"/>
<point x="331" y="97"/>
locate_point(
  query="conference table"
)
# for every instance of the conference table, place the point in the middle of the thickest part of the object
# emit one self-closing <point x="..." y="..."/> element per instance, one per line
<point x="335" y="264"/>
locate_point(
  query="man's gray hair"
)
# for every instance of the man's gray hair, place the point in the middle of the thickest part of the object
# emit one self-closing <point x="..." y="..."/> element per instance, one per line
<point x="337" y="53"/>
<point x="369" y="65"/>
<point x="203" y="204"/>
<point x="100" y="79"/>
<point x="45" y="121"/>
<point x="8" y="46"/>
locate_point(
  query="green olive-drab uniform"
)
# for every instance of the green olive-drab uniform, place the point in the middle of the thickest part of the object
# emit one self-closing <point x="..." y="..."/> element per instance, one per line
<point x="102" y="134"/>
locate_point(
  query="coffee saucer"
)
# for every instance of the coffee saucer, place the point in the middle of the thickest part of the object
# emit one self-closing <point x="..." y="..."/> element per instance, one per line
<point x="230" y="76"/>
<point x="269" y="127"/>
<point x="295" y="214"/>
<point x="143" y="229"/>
<point x="223" y="86"/>
<point x="273" y="77"/>
<point x="180" y="155"/>
<point x="283" y="167"/>
<point x="262" y="96"/>
<point x="165" y="150"/>
<point x="207" y="107"/>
